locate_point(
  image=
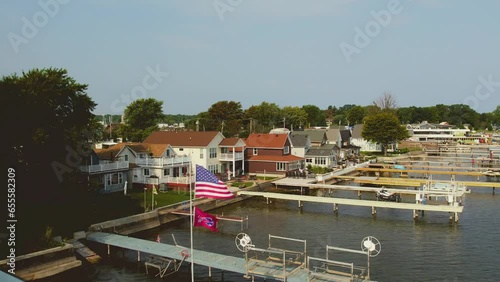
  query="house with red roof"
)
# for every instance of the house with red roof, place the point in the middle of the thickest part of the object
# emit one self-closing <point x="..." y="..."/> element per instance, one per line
<point x="270" y="153"/>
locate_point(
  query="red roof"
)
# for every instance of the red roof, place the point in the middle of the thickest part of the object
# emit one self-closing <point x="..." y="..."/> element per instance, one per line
<point x="155" y="149"/>
<point x="182" y="138"/>
<point x="262" y="140"/>
<point x="229" y="141"/>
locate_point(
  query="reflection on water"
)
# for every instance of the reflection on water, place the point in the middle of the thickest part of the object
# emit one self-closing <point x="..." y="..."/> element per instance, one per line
<point x="430" y="249"/>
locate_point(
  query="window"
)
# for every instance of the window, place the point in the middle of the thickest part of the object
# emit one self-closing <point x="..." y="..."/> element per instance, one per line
<point x="255" y="151"/>
<point x="280" y="166"/>
<point x="126" y="158"/>
<point x="213" y="153"/>
<point x="286" y="150"/>
<point x="181" y="149"/>
<point x="224" y="150"/>
<point x="168" y="153"/>
<point x="213" y="168"/>
<point x="309" y="160"/>
<point x="146" y="172"/>
<point x="320" y="161"/>
<point x="176" y="172"/>
<point x="114" y="178"/>
<point x="166" y="172"/>
<point x="201" y="154"/>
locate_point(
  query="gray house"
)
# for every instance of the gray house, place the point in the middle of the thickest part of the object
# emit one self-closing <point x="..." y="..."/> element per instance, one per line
<point x="300" y="143"/>
<point x="324" y="156"/>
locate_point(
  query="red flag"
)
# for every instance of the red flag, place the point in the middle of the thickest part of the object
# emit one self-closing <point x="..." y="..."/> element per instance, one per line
<point x="204" y="219"/>
<point x="209" y="186"/>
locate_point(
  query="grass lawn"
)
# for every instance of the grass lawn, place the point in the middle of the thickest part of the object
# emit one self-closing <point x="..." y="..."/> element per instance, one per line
<point x="241" y="184"/>
<point x="161" y="200"/>
<point x="266" y="177"/>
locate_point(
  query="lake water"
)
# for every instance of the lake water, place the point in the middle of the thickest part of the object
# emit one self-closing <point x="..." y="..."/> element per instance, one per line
<point x="430" y="249"/>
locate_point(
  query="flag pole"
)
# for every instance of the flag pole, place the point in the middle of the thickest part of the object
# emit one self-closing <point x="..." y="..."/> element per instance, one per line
<point x="191" y="217"/>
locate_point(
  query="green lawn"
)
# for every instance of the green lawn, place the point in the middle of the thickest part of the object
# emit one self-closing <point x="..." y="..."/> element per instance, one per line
<point x="161" y="200"/>
<point x="242" y="184"/>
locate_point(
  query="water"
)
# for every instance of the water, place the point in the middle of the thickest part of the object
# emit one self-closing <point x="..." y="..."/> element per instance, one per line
<point x="430" y="249"/>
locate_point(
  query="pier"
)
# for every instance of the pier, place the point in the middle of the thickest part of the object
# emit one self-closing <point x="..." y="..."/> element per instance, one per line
<point x="292" y="270"/>
<point x="453" y="209"/>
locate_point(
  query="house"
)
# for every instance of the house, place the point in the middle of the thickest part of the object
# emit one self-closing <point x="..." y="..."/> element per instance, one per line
<point x="442" y="132"/>
<point x="317" y="136"/>
<point x="205" y="148"/>
<point x="270" y="153"/>
<point x="347" y="149"/>
<point x="105" y="172"/>
<point x="137" y="164"/>
<point x="300" y="143"/>
<point x="324" y="156"/>
<point x="358" y="140"/>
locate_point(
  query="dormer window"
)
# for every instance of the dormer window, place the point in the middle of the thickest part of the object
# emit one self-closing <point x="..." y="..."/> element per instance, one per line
<point x="255" y="151"/>
<point x="286" y="150"/>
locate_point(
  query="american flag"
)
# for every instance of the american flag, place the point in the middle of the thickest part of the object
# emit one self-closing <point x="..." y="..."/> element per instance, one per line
<point x="209" y="186"/>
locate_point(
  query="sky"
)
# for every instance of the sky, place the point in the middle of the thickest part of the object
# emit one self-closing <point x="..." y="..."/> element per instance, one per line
<point x="191" y="54"/>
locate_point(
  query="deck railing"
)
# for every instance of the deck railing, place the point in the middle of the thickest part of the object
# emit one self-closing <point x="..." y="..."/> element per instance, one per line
<point x="104" y="167"/>
<point x="162" y="162"/>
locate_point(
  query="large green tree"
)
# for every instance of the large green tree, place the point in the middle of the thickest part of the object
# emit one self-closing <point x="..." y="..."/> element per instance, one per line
<point x="226" y="117"/>
<point x="355" y="115"/>
<point x="315" y="116"/>
<point x="384" y="127"/>
<point x="48" y="118"/>
<point x="293" y="117"/>
<point x="263" y="116"/>
<point x="141" y="119"/>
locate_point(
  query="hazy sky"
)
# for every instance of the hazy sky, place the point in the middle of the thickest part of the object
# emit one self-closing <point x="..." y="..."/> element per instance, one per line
<point x="290" y="52"/>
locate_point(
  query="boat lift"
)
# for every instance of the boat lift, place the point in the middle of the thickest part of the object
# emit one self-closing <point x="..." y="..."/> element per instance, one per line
<point x="163" y="264"/>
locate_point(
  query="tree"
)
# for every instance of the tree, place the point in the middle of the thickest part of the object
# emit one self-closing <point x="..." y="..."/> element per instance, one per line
<point x="141" y="119"/>
<point x="386" y="103"/>
<point x="384" y="128"/>
<point x="226" y="117"/>
<point x="355" y="115"/>
<point x="293" y="116"/>
<point x="315" y="115"/>
<point x="264" y="116"/>
<point x="48" y="118"/>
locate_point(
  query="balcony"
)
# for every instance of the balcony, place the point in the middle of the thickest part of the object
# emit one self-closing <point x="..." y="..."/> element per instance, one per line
<point x="162" y="162"/>
<point x="231" y="157"/>
<point x="107" y="167"/>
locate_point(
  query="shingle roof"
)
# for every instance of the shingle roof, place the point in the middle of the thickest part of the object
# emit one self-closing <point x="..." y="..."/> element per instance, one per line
<point x="182" y="138"/>
<point x="357" y="130"/>
<point x="324" y="150"/>
<point x="229" y="141"/>
<point x="333" y="134"/>
<point x="155" y="149"/>
<point x="316" y="135"/>
<point x="298" y="140"/>
<point x="262" y="140"/>
<point x="345" y="134"/>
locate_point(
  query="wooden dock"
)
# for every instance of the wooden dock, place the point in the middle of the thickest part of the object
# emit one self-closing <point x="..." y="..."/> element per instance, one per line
<point x="413" y="182"/>
<point x="419" y="171"/>
<point x="208" y="259"/>
<point x="455" y="209"/>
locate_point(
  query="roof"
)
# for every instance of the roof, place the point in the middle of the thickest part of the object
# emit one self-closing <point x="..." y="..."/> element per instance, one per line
<point x="298" y="140"/>
<point x="156" y="150"/>
<point x="324" y="150"/>
<point x="357" y="130"/>
<point x="345" y="134"/>
<point x="316" y="135"/>
<point x="286" y="158"/>
<point x="333" y="134"/>
<point x="182" y="138"/>
<point x="229" y="142"/>
<point x="262" y="140"/>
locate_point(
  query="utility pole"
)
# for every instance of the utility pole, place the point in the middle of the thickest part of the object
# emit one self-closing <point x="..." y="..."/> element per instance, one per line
<point x="284" y="122"/>
<point x="222" y="130"/>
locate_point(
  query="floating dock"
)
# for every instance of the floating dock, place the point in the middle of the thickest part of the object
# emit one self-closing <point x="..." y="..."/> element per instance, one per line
<point x="453" y="209"/>
<point x="266" y="269"/>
